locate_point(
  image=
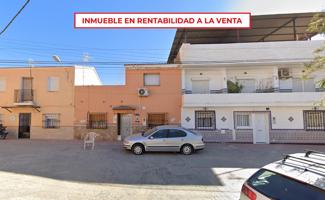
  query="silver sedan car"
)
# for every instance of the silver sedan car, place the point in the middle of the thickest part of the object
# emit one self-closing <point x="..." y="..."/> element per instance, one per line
<point x="165" y="138"/>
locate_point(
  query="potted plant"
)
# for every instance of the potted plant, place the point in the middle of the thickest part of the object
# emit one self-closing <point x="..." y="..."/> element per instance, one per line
<point x="234" y="87"/>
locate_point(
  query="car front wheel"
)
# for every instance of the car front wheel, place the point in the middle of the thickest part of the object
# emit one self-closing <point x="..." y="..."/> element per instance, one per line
<point x="137" y="149"/>
<point x="187" y="149"/>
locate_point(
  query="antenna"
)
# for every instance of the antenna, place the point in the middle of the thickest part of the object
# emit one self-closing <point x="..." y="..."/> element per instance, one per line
<point x="30" y="62"/>
<point x="56" y="58"/>
<point x="86" y="57"/>
<point x="30" y="65"/>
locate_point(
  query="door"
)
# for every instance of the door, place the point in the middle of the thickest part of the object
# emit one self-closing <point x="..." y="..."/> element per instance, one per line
<point x="26" y="89"/>
<point x="260" y="127"/>
<point x="126" y="125"/>
<point x="158" y="141"/>
<point x="24" y="125"/>
<point x="176" y="138"/>
<point x="200" y="87"/>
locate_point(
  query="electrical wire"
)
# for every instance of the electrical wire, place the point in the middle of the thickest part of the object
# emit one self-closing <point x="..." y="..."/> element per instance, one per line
<point x="13" y="19"/>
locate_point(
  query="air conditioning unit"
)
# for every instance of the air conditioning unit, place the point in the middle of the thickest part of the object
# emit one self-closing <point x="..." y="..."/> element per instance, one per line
<point x="284" y="73"/>
<point x="143" y="92"/>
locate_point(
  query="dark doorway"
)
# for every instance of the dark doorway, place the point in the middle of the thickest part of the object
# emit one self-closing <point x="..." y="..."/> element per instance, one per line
<point x="24" y="125"/>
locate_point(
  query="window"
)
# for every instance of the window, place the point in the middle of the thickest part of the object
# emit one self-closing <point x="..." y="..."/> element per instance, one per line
<point x="160" y="134"/>
<point x="27" y="83"/>
<point x="200" y="87"/>
<point x="97" y="120"/>
<point x="2" y="84"/>
<point x="205" y="120"/>
<point x="314" y="120"/>
<point x="151" y="79"/>
<point x="174" y="133"/>
<point x="303" y="85"/>
<point x="51" y="120"/>
<point x="277" y="186"/>
<point x="156" y="119"/>
<point x="242" y="120"/>
<point x="53" y="84"/>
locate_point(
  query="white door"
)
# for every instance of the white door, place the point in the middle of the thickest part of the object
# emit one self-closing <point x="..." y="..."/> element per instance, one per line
<point x="260" y="127"/>
<point x="126" y="125"/>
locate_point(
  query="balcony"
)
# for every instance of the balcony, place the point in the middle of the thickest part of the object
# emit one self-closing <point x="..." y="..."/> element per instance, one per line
<point x="253" y="99"/>
<point x="24" y="97"/>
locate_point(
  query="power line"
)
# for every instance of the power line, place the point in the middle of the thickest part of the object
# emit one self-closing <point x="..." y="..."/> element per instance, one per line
<point x="12" y="20"/>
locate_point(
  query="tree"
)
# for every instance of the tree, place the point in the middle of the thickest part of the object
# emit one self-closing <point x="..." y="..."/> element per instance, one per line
<point x="317" y="25"/>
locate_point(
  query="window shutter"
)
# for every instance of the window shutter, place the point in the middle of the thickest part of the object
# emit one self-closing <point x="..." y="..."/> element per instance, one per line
<point x="2" y="84"/>
<point x="151" y="79"/>
<point x="53" y="84"/>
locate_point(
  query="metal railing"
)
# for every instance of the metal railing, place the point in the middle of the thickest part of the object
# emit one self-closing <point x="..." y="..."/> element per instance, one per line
<point x="51" y="123"/>
<point x="23" y="95"/>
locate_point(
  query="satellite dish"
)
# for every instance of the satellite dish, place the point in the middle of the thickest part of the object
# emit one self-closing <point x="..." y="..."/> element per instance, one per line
<point x="56" y="58"/>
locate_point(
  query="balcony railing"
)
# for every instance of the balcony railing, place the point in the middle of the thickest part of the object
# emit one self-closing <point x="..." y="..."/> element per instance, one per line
<point x="24" y="95"/>
<point x="253" y="99"/>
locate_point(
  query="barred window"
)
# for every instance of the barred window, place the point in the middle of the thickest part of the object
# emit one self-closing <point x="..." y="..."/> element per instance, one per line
<point x="205" y="120"/>
<point x="97" y="120"/>
<point x="242" y="120"/>
<point x="51" y="120"/>
<point x="314" y="120"/>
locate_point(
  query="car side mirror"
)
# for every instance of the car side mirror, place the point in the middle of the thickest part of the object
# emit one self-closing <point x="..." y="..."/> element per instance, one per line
<point x="150" y="138"/>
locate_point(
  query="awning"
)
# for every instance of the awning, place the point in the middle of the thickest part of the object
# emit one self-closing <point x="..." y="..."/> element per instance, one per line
<point x="265" y="28"/>
<point x="9" y="108"/>
<point x="123" y="107"/>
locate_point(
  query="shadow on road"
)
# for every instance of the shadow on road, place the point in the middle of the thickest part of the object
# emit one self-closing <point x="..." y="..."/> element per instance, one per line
<point x="109" y="163"/>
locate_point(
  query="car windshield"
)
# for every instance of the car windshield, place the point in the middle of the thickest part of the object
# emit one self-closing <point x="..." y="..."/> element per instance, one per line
<point x="277" y="186"/>
<point x="149" y="132"/>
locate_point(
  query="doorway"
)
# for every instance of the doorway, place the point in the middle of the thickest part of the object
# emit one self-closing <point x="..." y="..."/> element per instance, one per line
<point x="261" y="128"/>
<point x="24" y="125"/>
<point x="125" y="125"/>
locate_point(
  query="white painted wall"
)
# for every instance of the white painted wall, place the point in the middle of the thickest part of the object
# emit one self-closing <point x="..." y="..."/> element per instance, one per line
<point x="216" y="77"/>
<point x="279" y="116"/>
<point x="253" y="99"/>
<point x="85" y="75"/>
<point x="245" y="52"/>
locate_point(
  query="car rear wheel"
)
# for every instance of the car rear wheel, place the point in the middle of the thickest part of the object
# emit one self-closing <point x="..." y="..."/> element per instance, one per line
<point x="187" y="149"/>
<point x="137" y="149"/>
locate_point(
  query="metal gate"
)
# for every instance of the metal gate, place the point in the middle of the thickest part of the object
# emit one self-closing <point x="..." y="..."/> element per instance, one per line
<point x="24" y="125"/>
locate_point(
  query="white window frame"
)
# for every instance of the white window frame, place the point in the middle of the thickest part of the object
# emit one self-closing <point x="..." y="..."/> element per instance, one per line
<point x="146" y="75"/>
<point x="249" y="114"/>
<point x="53" y="80"/>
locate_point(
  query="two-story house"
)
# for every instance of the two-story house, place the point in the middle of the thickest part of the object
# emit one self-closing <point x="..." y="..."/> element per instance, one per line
<point x="151" y="96"/>
<point x="247" y="85"/>
<point x="38" y="102"/>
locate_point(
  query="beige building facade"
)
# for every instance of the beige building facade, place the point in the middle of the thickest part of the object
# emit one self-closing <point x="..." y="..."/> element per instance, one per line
<point x="38" y="102"/>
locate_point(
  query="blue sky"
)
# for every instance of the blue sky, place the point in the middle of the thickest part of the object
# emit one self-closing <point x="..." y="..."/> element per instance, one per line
<point x="45" y="28"/>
